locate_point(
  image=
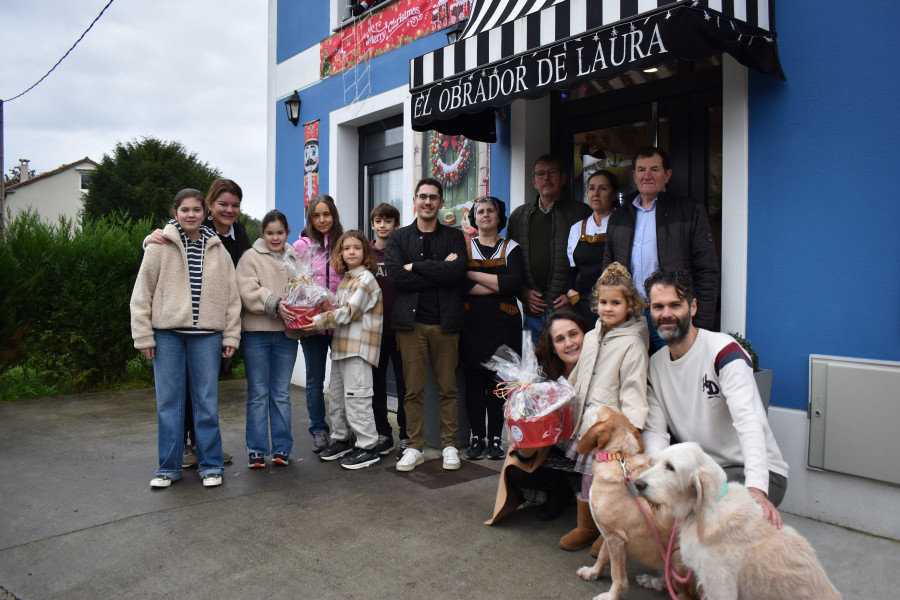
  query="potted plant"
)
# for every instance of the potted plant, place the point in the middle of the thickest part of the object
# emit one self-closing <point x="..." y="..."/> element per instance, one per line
<point x="763" y="376"/>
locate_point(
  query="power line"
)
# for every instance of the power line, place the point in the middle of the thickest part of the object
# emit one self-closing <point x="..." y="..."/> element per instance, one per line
<point x="97" y="18"/>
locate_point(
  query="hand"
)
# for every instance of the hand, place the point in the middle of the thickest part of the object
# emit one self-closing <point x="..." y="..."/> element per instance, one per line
<point x="452" y="256"/>
<point x="227" y="351"/>
<point x="156" y="237"/>
<point x="769" y="511"/>
<point x="149" y="353"/>
<point x="309" y="328"/>
<point x="561" y="301"/>
<point x="284" y="312"/>
<point x="408" y="266"/>
<point x="535" y="302"/>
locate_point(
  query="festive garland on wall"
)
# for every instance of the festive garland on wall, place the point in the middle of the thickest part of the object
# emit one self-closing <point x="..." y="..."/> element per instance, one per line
<point x="449" y="174"/>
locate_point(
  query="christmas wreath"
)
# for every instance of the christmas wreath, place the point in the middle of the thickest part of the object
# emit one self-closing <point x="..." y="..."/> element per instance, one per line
<point x="449" y="174"/>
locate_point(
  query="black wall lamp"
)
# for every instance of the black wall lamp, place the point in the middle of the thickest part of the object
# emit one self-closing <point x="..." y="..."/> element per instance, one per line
<point x="454" y="32"/>
<point x="292" y="105"/>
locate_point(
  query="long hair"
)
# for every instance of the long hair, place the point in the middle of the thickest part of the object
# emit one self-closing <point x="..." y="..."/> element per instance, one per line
<point x="337" y="258"/>
<point x="336" y="229"/>
<point x="551" y="364"/>
<point x="616" y="275"/>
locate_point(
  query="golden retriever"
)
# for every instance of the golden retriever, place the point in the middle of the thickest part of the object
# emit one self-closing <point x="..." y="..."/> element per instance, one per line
<point x="624" y="528"/>
<point x="734" y="552"/>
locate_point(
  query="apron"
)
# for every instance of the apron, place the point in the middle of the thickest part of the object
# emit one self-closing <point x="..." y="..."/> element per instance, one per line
<point x="588" y="258"/>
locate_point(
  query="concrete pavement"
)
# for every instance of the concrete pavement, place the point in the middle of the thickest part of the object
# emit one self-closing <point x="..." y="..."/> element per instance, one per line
<point x="79" y="520"/>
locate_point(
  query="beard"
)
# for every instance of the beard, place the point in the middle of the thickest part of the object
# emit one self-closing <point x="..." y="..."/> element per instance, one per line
<point x="673" y="336"/>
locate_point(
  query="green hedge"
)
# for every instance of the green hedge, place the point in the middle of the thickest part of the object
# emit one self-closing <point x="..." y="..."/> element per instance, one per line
<point x="64" y="316"/>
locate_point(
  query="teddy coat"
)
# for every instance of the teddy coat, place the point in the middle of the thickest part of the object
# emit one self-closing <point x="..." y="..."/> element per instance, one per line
<point x="612" y="371"/>
<point x="262" y="276"/>
<point x="161" y="298"/>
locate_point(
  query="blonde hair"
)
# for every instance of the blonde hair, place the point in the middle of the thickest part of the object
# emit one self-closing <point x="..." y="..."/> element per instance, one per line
<point x="337" y="258"/>
<point x="616" y="275"/>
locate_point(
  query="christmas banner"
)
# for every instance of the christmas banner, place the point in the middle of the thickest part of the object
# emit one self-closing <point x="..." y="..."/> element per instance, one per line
<point x="382" y="30"/>
<point x="310" y="161"/>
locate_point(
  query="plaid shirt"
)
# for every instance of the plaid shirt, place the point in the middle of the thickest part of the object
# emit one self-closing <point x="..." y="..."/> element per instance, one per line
<point x="357" y="322"/>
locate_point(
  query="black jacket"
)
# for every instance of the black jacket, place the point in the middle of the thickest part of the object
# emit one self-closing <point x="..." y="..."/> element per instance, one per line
<point x="564" y="214"/>
<point x="429" y="272"/>
<point x="683" y="241"/>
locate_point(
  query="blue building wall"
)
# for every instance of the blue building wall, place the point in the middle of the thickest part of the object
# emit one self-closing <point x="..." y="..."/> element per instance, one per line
<point x="388" y="71"/>
<point x="300" y="25"/>
<point x="823" y="226"/>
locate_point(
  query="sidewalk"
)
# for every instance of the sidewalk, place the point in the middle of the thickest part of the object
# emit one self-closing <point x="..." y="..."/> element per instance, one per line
<point x="79" y="520"/>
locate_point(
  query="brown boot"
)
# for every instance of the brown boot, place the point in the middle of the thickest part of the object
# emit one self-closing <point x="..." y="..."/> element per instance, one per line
<point x="595" y="547"/>
<point x="584" y="533"/>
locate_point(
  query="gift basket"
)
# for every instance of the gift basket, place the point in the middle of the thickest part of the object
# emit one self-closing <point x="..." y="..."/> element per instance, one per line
<point x="304" y="296"/>
<point x="538" y="412"/>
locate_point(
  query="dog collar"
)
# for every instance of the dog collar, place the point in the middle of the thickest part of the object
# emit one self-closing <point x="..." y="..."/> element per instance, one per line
<point x="609" y="456"/>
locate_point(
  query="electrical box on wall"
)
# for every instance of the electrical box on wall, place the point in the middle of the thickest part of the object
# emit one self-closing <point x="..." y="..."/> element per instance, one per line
<point x="854" y="409"/>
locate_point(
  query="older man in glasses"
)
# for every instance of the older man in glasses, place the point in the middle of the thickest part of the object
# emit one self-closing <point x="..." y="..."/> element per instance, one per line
<point x="541" y="228"/>
<point x="426" y="263"/>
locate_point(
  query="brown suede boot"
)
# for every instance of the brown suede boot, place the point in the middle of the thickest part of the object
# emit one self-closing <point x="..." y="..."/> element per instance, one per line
<point x="585" y="533"/>
<point x="595" y="547"/>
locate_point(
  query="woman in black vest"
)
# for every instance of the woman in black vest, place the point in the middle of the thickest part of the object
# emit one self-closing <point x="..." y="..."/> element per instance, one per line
<point x="494" y="276"/>
<point x="587" y="239"/>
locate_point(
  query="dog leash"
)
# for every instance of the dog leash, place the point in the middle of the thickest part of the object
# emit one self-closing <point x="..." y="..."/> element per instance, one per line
<point x="665" y="553"/>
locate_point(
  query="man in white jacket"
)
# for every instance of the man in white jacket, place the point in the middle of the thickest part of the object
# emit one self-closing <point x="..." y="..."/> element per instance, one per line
<point x="701" y="389"/>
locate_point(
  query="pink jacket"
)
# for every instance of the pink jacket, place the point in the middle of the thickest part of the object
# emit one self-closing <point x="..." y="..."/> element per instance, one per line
<point x="321" y="262"/>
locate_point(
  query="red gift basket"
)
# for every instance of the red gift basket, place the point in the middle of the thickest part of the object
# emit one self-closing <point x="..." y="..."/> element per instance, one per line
<point x="535" y="432"/>
<point x="538" y="411"/>
<point x="305" y="298"/>
<point x="303" y="315"/>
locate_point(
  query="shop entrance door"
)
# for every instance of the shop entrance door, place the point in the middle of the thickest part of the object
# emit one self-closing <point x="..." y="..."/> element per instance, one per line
<point x="682" y="115"/>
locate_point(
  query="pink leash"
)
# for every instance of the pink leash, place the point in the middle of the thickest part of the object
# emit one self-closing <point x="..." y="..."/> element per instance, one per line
<point x="669" y="571"/>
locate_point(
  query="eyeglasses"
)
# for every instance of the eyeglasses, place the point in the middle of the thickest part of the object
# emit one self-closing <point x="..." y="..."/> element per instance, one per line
<point x="424" y="197"/>
<point x="549" y="173"/>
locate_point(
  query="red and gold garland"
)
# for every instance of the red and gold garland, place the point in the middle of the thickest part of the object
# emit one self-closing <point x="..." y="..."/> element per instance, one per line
<point x="449" y="174"/>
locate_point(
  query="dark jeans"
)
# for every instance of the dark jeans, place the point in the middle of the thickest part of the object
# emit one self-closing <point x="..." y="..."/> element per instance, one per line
<point x="777" y="483"/>
<point x="480" y="399"/>
<point x="390" y="352"/>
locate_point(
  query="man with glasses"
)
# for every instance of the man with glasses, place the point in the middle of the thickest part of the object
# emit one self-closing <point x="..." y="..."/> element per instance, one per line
<point x="655" y="229"/>
<point x="541" y="228"/>
<point x="426" y="263"/>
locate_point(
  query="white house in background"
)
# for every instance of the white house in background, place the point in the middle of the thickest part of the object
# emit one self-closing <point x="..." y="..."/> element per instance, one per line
<point x="54" y="193"/>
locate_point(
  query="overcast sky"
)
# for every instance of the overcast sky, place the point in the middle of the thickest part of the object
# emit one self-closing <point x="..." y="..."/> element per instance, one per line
<point x="187" y="70"/>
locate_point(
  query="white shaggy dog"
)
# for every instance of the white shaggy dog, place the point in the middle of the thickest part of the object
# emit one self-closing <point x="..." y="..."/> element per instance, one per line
<point x="734" y="552"/>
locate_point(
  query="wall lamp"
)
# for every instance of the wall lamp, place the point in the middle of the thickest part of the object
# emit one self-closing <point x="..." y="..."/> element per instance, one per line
<point x="292" y="105"/>
<point x="454" y="32"/>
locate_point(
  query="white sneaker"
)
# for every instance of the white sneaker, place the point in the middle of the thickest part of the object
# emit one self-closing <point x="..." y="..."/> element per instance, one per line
<point x="212" y="480"/>
<point x="451" y="458"/>
<point x="411" y="459"/>
<point x="161" y="481"/>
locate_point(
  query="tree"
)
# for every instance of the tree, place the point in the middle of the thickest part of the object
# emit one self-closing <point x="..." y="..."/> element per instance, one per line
<point x="15" y="175"/>
<point x="142" y="177"/>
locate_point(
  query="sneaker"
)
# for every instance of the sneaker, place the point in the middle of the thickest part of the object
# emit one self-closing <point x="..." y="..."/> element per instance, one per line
<point x="161" y="481"/>
<point x="281" y="458"/>
<point x="361" y="459"/>
<point x="476" y="449"/>
<point x="410" y="460"/>
<point x="336" y="449"/>
<point x="385" y="444"/>
<point x="256" y="460"/>
<point x="189" y="460"/>
<point x="495" y="449"/>
<point x="212" y="480"/>
<point x="321" y="441"/>
<point x="451" y="458"/>
<point x="226" y="458"/>
<point x="404" y="444"/>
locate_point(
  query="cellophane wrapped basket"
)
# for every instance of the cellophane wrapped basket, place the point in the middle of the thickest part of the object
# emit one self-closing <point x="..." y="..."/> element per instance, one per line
<point x="538" y="411"/>
<point x="304" y="296"/>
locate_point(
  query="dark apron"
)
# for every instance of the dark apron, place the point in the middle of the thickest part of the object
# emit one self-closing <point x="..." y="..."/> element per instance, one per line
<point x="588" y="257"/>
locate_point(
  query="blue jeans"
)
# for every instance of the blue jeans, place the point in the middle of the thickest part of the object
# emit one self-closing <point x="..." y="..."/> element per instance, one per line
<point x="269" y="358"/>
<point x="175" y="352"/>
<point x="315" y="352"/>
<point x="533" y="325"/>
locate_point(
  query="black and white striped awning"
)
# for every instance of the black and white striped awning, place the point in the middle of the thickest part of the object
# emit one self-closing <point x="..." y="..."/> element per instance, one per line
<point x="515" y="49"/>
